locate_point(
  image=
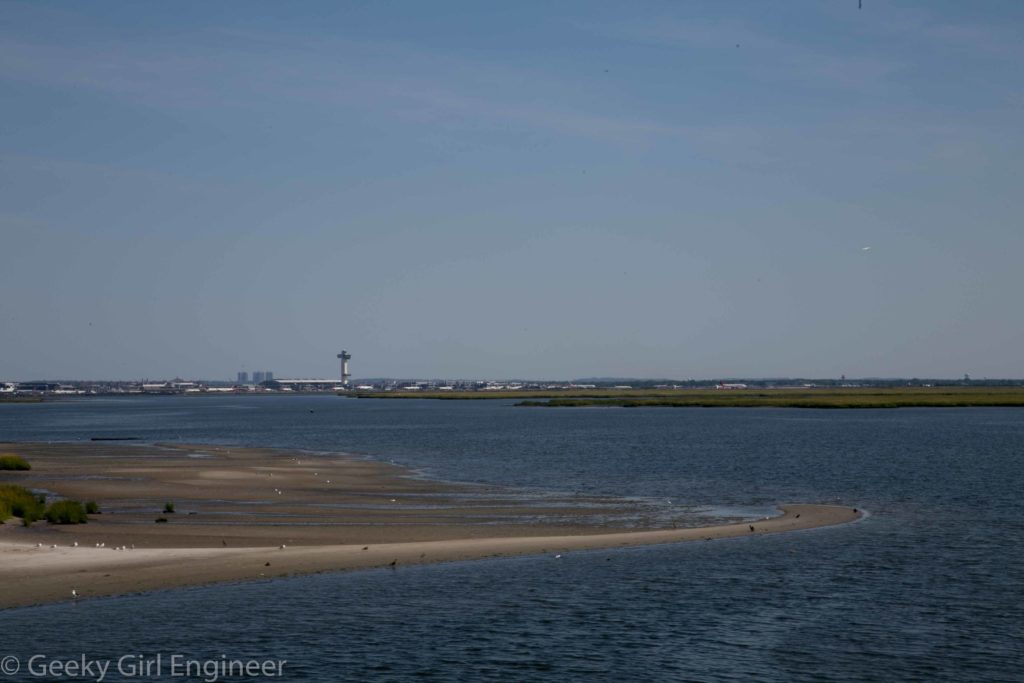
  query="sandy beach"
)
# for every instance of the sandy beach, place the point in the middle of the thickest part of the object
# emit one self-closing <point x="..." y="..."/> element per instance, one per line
<point x="250" y="514"/>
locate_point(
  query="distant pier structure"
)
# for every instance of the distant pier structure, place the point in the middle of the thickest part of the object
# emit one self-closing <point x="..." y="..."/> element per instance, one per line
<point x="345" y="357"/>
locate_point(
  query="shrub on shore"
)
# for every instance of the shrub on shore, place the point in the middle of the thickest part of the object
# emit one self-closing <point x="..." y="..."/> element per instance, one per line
<point x="10" y="461"/>
<point x="22" y="503"/>
<point x="5" y="512"/>
<point x="66" y="512"/>
<point x="91" y="508"/>
<point x="168" y="508"/>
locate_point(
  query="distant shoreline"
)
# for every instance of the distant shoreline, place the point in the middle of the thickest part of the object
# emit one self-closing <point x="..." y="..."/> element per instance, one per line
<point x="826" y="398"/>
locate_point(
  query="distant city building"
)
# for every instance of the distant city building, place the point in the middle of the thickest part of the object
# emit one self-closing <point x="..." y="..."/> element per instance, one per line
<point x="268" y="376"/>
<point x="243" y="378"/>
<point x="258" y="376"/>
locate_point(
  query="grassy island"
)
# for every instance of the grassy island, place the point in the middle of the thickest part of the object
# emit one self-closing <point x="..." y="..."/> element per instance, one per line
<point x="916" y="397"/>
<point x="809" y="397"/>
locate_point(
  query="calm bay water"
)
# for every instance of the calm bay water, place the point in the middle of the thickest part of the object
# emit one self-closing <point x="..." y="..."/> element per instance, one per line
<point x="929" y="587"/>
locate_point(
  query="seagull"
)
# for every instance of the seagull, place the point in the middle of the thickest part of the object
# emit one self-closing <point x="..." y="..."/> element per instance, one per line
<point x="558" y="557"/>
<point x="865" y="248"/>
<point x="75" y="544"/>
<point x="74" y="593"/>
<point x="283" y="546"/>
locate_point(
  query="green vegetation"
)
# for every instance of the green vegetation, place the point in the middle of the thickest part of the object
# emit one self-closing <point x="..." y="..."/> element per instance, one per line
<point x="91" y="508"/>
<point x="168" y="508"/>
<point x="20" y="502"/>
<point x="10" y="461"/>
<point x="809" y="397"/>
<point x="906" y="397"/>
<point x="66" y="512"/>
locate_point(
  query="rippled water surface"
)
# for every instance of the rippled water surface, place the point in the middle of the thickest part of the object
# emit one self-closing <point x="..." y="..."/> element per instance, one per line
<point x="929" y="587"/>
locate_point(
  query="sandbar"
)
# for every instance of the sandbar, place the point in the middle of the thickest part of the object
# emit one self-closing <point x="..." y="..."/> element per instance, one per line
<point x="250" y="514"/>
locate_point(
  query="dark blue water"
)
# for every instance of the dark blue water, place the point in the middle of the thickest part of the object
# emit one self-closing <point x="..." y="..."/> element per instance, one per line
<point x="929" y="587"/>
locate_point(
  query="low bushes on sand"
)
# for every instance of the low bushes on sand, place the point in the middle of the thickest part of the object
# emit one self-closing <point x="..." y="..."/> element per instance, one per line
<point x="9" y="461"/>
<point x="91" y="508"/>
<point x="168" y="508"/>
<point x="66" y="512"/>
<point x="22" y="503"/>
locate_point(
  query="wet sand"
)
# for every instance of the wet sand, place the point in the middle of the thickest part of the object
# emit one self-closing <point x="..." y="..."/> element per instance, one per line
<point x="244" y="514"/>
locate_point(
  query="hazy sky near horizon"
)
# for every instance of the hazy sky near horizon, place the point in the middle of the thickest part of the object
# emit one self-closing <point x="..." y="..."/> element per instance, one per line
<point x="535" y="190"/>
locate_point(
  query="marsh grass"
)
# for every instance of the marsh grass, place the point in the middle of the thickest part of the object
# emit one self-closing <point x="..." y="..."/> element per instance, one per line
<point x="66" y="512"/>
<point x="908" y="397"/>
<point x="20" y="502"/>
<point x="10" y="461"/>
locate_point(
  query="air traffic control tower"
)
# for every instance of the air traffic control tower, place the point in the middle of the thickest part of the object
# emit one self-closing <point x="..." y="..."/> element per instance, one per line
<point x="345" y="357"/>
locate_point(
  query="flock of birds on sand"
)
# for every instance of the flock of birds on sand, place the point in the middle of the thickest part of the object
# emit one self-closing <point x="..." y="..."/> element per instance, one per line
<point x="98" y="545"/>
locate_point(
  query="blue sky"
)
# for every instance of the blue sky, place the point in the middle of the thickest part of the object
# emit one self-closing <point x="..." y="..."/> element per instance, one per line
<point x="537" y="190"/>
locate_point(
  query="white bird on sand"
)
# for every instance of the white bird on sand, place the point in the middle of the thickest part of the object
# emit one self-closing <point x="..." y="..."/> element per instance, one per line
<point x="75" y="544"/>
<point x="283" y="546"/>
<point x="74" y="593"/>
